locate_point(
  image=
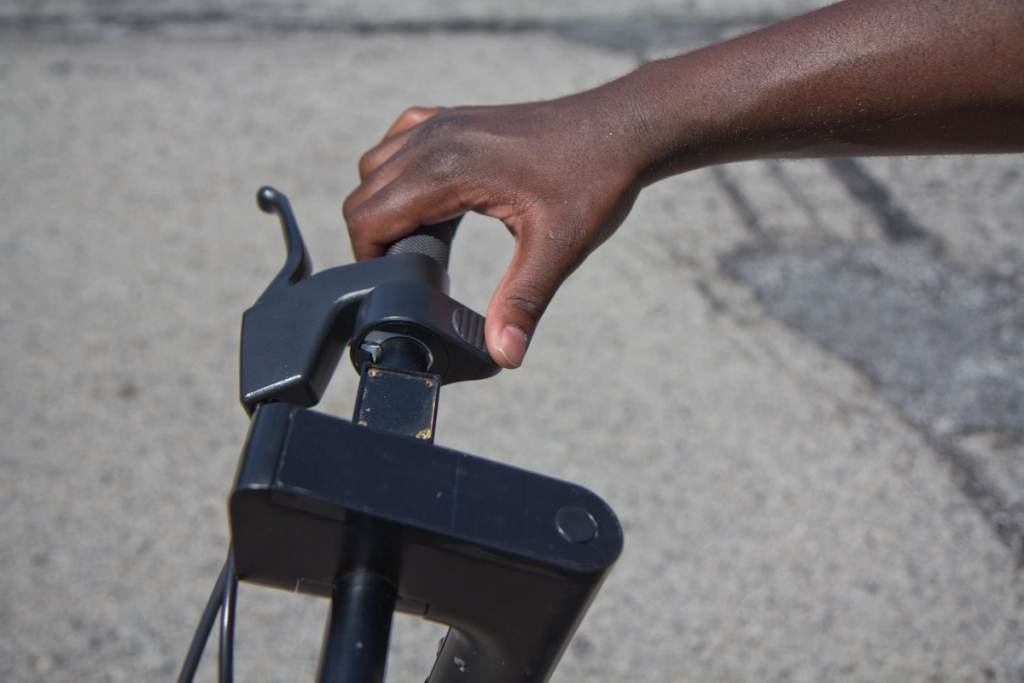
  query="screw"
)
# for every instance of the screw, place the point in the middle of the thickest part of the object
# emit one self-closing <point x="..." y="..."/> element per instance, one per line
<point x="575" y="524"/>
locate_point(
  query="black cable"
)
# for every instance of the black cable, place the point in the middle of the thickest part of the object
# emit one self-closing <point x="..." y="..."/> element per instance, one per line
<point x="202" y="633"/>
<point x="226" y="657"/>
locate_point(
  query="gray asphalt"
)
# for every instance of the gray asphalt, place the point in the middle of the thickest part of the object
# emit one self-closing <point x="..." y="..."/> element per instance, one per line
<point x="799" y="384"/>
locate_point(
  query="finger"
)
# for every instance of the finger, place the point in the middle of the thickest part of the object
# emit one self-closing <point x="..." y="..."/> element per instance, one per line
<point x="376" y="156"/>
<point x="395" y="210"/>
<point x="538" y="268"/>
<point x="381" y="177"/>
<point x="410" y="118"/>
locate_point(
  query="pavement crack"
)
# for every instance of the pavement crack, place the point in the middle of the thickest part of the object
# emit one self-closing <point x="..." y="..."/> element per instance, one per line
<point x="1005" y="520"/>
<point x="739" y="201"/>
<point x="896" y="223"/>
<point x="716" y="305"/>
<point x="796" y="195"/>
<point x="939" y="344"/>
<point x="637" y="34"/>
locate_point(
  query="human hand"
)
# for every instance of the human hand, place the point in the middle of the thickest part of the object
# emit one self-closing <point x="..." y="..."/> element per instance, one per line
<point x="561" y="175"/>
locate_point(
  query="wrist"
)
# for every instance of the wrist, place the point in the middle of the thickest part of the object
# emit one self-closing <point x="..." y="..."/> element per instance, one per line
<point x="684" y="119"/>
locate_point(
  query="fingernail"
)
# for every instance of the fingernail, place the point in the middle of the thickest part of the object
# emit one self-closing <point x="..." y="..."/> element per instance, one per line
<point x="512" y="345"/>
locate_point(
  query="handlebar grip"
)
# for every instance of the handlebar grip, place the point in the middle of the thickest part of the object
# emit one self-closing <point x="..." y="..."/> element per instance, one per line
<point x="434" y="241"/>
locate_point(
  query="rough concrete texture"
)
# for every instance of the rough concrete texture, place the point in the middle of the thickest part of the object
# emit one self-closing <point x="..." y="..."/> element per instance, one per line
<point x="369" y="12"/>
<point x="794" y="511"/>
<point x="947" y="349"/>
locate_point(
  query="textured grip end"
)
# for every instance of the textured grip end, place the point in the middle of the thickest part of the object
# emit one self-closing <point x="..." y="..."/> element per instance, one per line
<point x="434" y="241"/>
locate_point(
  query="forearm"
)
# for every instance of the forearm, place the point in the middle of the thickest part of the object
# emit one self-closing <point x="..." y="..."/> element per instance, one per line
<point x="864" y="77"/>
<point x="860" y="77"/>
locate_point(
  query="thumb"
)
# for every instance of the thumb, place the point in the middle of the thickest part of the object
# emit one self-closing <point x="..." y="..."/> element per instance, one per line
<point x="537" y="269"/>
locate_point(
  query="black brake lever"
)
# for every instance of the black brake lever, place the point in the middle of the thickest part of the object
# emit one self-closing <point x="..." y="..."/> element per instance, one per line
<point x="294" y="334"/>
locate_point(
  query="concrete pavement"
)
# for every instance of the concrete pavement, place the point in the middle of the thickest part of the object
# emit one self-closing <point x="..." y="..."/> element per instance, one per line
<point x="797" y="383"/>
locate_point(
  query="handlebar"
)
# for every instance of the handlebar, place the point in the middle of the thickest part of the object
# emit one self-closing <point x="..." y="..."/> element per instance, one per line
<point x="434" y="241"/>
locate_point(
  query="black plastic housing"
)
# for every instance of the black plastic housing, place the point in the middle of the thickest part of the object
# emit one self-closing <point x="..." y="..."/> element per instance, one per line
<point x="475" y="544"/>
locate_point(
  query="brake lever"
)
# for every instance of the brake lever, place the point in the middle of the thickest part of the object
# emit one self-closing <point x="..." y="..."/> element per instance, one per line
<point x="293" y="336"/>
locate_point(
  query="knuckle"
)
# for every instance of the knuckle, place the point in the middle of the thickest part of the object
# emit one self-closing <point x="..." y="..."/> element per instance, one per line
<point x="444" y="125"/>
<point x="347" y="209"/>
<point x="413" y="114"/>
<point x="445" y="162"/>
<point x="444" y="159"/>
<point x="366" y="163"/>
<point x="529" y="299"/>
<point x="355" y="219"/>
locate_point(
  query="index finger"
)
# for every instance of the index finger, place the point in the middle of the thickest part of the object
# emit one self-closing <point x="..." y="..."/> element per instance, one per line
<point x="410" y="118"/>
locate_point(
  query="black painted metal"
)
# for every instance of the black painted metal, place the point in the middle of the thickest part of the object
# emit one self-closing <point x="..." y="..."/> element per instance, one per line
<point x="404" y="354"/>
<point x="355" y="648"/>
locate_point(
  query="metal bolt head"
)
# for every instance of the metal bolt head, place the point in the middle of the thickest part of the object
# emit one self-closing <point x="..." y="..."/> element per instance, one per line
<point x="575" y="524"/>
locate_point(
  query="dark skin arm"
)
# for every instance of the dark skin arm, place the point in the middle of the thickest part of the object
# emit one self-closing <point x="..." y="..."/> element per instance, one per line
<point x="863" y="77"/>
